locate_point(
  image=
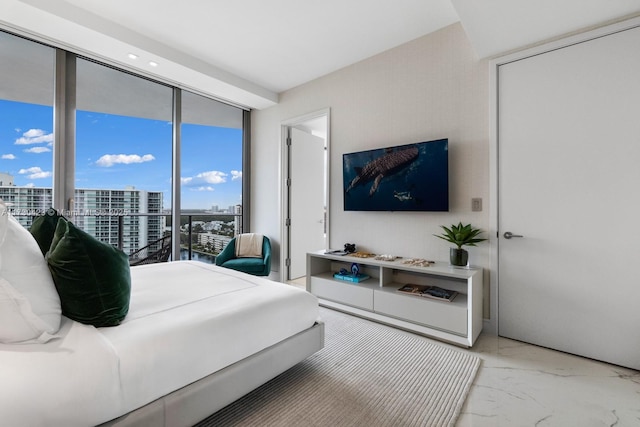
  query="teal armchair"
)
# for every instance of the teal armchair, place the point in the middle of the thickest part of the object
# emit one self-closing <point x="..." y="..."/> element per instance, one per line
<point x="256" y="266"/>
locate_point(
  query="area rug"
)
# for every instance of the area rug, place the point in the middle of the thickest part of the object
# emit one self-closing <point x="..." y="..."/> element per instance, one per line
<point x="367" y="375"/>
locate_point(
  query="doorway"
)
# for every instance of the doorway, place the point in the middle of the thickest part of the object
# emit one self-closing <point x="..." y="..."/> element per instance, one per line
<point x="305" y="177"/>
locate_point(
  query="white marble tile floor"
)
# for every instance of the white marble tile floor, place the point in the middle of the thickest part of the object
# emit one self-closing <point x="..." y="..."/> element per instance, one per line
<point x="520" y="384"/>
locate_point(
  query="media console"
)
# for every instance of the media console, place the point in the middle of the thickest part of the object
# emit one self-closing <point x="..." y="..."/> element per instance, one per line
<point x="378" y="299"/>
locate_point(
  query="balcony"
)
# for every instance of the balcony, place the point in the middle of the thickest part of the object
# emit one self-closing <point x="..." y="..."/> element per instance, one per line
<point x="196" y="242"/>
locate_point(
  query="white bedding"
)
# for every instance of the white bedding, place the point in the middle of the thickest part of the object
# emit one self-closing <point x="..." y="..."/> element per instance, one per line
<point x="66" y="382"/>
<point x="186" y="320"/>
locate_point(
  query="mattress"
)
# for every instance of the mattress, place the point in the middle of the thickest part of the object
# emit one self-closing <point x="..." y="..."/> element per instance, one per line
<point x="186" y="320"/>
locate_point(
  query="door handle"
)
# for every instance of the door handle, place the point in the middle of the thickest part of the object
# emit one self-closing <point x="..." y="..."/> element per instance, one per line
<point x="509" y="235"/>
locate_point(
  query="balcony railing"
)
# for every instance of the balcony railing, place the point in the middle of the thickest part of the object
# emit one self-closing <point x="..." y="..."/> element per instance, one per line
<point x="160" y="249"/>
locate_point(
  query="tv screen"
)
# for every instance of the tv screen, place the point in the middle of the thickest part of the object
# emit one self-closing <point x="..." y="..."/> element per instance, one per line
<point x="412" y="177"/>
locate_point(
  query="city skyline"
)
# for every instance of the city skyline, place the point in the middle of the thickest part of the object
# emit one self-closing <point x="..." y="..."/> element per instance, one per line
<point x="116" y="152"/>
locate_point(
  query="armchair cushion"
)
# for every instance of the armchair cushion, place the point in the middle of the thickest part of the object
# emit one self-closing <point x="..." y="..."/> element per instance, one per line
<point x="248" y="265"/>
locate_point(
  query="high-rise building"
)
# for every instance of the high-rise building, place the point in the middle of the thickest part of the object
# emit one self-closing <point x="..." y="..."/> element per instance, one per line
<point x="237" y="209"/>
<point x="25" y="202"/>
<point x="99" y="212"/>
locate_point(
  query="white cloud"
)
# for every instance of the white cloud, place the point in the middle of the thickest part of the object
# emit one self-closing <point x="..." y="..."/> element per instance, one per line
<point x="33" y="133"/>
<point x="34" y="136"/>
<point x="204" y="180"/>
<point x="34" y="173"/>
<point x="8" y="157"/>
<point x="30" y="185"/>
<point x="37" y="150"/>
<point x="212" y="177"/>
<point x="236" y="175"/>
<point x="33" y="169"/>
<point x="109" y="160"/>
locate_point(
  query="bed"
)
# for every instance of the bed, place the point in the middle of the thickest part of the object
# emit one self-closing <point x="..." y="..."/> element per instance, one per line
<point x="196" y="338"/>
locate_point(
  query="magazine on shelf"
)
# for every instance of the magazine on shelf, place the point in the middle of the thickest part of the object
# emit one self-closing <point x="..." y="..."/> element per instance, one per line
<point x="434" y="292"/>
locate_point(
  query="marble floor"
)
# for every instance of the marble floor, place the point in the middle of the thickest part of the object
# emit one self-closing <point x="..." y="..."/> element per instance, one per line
<point x="524" y="385"/>
<point x="520" y="384"/>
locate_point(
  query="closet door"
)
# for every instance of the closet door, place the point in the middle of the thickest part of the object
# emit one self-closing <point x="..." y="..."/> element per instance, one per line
<point x="569" y="183"/>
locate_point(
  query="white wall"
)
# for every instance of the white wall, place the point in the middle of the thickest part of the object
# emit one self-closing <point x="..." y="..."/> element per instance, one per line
<point x="433" y="87"/>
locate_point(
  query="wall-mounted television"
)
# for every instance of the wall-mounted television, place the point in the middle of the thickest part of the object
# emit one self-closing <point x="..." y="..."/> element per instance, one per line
<point x="411" y="177"/>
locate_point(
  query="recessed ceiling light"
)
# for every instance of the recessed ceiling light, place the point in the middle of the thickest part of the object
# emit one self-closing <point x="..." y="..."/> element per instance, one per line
<point x="153" y="64"/>
<point x="132" y="56"/>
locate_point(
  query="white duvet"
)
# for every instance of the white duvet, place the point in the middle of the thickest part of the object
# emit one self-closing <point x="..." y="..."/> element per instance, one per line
<point x="186" y="320"/>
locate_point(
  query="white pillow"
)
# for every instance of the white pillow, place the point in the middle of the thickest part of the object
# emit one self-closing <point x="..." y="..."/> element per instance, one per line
<point x="24" y="267"/>
<point x="18" y="323"/>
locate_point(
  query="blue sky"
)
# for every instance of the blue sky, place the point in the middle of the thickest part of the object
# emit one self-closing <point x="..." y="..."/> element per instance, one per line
<point x="114" y="152"/>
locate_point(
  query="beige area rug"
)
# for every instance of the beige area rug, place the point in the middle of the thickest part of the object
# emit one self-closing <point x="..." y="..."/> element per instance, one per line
<point x="367" y="375"/>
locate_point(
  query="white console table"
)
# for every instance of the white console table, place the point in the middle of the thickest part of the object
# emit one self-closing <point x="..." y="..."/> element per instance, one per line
<point x="458" y="322"/>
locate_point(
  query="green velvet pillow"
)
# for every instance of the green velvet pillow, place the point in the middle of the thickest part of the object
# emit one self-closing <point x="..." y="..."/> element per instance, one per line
<point x="92" y="277"/>
<point x="43" y="227"/>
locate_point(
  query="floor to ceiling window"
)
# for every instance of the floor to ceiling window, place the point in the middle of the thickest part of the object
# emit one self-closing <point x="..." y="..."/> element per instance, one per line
<point x="26" y="126"/>
<point x="117" y="184"/>
<point x="123" y="155"/>
<point x="211" y="171"/>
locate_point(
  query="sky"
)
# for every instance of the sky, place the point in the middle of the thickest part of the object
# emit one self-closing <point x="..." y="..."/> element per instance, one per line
<point x="114" y="152"/>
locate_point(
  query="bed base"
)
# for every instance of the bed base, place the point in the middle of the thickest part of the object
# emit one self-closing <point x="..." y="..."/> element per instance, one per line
<point x="195" y="402"/>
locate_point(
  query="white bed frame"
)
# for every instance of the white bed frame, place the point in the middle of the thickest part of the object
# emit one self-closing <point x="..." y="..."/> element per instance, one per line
<point x="195" y="402"/>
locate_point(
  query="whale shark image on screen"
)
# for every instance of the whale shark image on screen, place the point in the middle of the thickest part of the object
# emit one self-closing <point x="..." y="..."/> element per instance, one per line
<point x="386" y="165"/>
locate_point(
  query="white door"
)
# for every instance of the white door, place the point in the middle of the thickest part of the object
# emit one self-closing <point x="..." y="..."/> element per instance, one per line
<point x="569" y="182"/>
<point x="306" y="199"/>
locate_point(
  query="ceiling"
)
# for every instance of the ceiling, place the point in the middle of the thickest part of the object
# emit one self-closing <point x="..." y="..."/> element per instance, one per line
<point x="249" y="51"/>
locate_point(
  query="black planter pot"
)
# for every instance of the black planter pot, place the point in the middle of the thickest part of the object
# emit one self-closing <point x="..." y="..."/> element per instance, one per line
<point x="458" y="257"/>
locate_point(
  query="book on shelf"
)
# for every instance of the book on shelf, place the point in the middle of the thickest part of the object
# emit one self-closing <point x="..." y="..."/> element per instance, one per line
<point x="433" y="292"/>
<point x="351" y="278"/>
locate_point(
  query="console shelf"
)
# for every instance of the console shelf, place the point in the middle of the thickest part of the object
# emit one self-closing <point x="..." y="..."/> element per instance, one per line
<point x="458" y="322"/>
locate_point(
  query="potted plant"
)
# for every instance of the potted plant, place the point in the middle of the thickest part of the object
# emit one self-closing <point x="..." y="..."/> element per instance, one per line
<point x="460" y="235"/>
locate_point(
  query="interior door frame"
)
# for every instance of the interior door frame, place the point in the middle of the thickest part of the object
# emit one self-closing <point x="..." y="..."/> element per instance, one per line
<point x="284" y="173"/>
<point x="491" y="325"/>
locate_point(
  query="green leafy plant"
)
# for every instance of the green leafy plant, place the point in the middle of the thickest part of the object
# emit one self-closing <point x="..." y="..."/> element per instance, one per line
<point x="461" y="235"/>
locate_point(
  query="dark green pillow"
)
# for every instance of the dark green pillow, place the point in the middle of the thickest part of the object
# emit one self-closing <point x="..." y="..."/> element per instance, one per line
<point x="92" y="277"/>
<point x="43" y="227"/>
